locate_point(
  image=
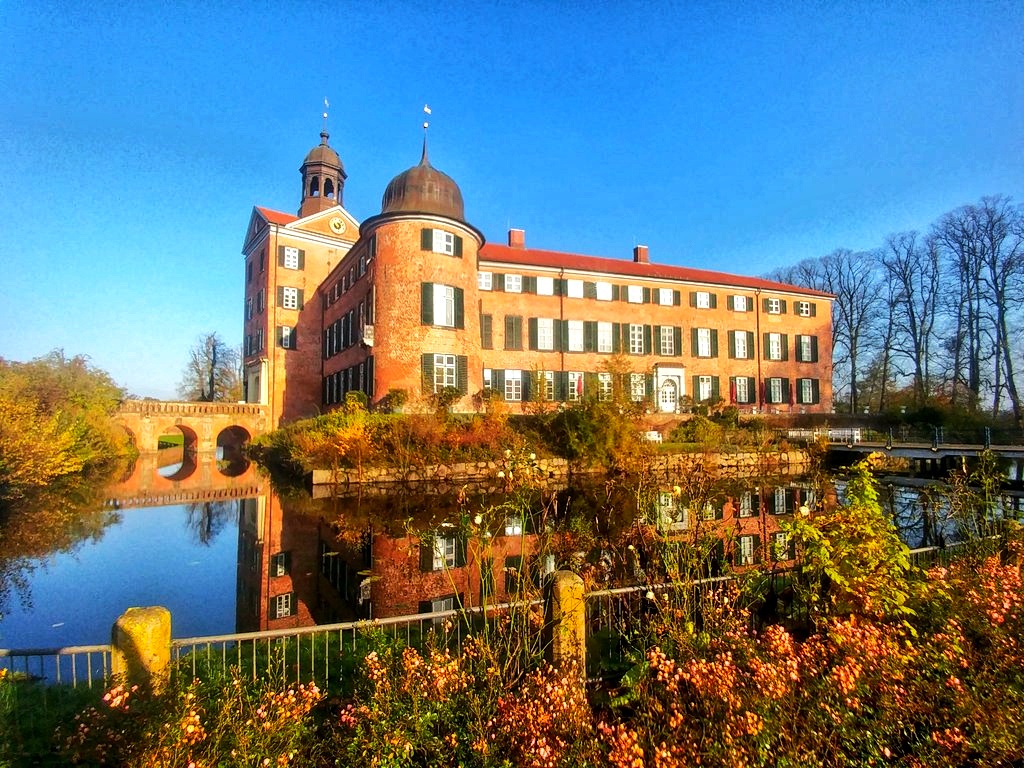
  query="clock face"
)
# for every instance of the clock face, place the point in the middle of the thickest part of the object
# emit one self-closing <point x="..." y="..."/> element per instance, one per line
<point x="337" y="225"/>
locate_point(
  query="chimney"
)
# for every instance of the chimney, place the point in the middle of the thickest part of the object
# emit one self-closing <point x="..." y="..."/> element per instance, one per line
<point x="640" y="254"/>
<point x="517" y="238"/>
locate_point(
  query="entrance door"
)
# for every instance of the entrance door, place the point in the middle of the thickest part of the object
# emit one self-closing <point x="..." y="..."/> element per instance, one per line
<point x="668" y="396"/>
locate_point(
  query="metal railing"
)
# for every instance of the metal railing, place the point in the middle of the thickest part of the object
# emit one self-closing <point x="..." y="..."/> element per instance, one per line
<point x="73" y="665"/>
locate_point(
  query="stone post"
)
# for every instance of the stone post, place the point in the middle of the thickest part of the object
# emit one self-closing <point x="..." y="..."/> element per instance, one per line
<point x="141" y="647"/>
<point x="568" y="607"/>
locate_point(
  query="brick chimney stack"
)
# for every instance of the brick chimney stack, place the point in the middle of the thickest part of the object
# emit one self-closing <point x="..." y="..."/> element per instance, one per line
<point x="640" y="254"/>
<point x="517" y="238"/>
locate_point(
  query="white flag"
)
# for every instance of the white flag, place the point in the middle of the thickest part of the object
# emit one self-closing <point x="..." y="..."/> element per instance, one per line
<point x="327" y="104"/>
<point x="426" y="108"/>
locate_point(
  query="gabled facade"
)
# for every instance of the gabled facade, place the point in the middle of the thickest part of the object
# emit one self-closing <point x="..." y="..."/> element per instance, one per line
<point x="414" y="300"/>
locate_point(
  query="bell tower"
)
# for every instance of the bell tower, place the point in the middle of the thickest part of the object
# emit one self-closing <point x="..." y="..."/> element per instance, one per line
<point x="323" y="178"/>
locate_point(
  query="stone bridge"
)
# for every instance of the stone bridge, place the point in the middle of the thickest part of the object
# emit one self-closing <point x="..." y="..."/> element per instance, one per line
<point x="201" y="478"/>
<point x="206" y="426"/>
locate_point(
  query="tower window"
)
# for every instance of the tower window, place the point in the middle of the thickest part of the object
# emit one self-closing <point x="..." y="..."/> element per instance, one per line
<point x="314" y="186"/>
<point x="329" y="189"/>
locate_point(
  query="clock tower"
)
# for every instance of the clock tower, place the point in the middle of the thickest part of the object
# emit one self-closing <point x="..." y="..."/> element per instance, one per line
<point x="323" y="178"/>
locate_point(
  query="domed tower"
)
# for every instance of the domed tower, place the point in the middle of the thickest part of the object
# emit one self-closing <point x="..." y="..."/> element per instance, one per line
<point x="323" y="178"/>
<point x="426" y="304"/>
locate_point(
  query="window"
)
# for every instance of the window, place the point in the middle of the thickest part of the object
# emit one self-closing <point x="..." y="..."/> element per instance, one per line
<point x="636" y="339"/>
<point x="775" y="346"/>
<point x="575" y="389"/>
<point x="740" y="349"/>
<point x="807" y="391"/>
<point x="604" y="337"/>
<point x="258" y="340"/>
<point x="248" y="308"/>
<point x="547" y="382"/>
<point x="289" y="298"/>
<point x="671" y="518"/>
<point x="746" y="504"/>
<point x="667" y="340"/>
<point x="248" y="272"/>
<point x="545" y="333"/>
<point x="513" y="386"/>
<point x="703" y="300"/>
<point x="773" y="306"/>
<point x="807" y="349"/>
<point x="637" y="387"/>
<point x="280" y="563"/>
<point x="780" y="545"/>
<point x="545" y="286"/>
<point x="634" y="294"/>
<point x="604" y="386"/>
<point x="486" y="332"/>
<point x="444" y="305"/>
<point x="445" y="372"/>
<point x="775" y="391"/>
<point x="805" y="309"/>
<point x="484" y="280"/>
<point x="513" y="332"/>
<point x="575" y="335"/>
<point x="443" y="242"/>
<point x="704" y="388"/>
<point x="445" y="549"/>
<point x="488" y="378"/>
<point x="703" y="342"/>
<point x="746" y="548"/>
<point x="441" y="305"/>
<point x="291" y="258"/>
<point x="739" y="304"/>
<point x="604" y="291"/>
<point x="666" y="297"/>
<point x="282" y="605"/>
<point x="781" y="507"/>
<point x="574" y="289"/>
<point x="514" y="283"/>
<point x="513" y="525"/>
<point x="742" y="389"/>
<point x="261" y="302"/>
<point x="286" y="337"/>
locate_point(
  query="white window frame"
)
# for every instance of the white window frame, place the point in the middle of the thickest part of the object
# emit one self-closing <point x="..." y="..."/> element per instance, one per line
<point x="443" y="242"/>
<point x="803" y="308"/>
<point x="636" y="339"/>
<point x="704" y="388"/>
<point x="575" y="391"/>
<point x="806" y="391"/>
<point x="545" y="285"/>
<point x="637" y="387"/>
<point x="774" y="306"/>
<point x="739" y="303"/>
<point x="287" y="334"/>
<point x="291" y="257"/>
<point x="667" y="342"/>
<point x="635" y="294"/>
<point x="780" y="545"/>
<point x="575" y="336"/>
<point x="746" y="504"/>
<point x="740" y="349"/>
<point x="805" y="346"/>
<point x="746" y="547"/>
<point x="604" y="291"/>
<point x="445" y="371"/>
<point x="703" y="342"/>
<point x="545" y="334"/>
<point x="703" y="300"/>
<point x="774" y="390"/>
<point x="488" y="378"/>
<point x="547" y="381"/>
<point x="279" y="564"/>
<point x="774" y="346"/>
<point x="444" y="305"/>
<point x="742" y="385"/>
<point x="248" y="308"/>
<point x="513" y="386"/>
<point x="513" y="283"/>
<point x="485" y="280"/>
<point x="605" y="388"/>
<point x="780" y="501"/>
<point x="445" y="548"/>
<point x="514" y="525"/>
<point x="283" y="605"/>
<point x="604" y="337"/>
<point x="289" y="297"/>
<point x="665" y="297"/>
<point x="574" y="288"/>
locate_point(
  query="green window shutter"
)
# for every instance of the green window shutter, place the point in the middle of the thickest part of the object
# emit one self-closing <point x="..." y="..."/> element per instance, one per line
<point x="426" y="239"/>
<point x="559" y="286"/>
<point x="647" y="339"/>
<point x="677" y="340"/>
<point x="732" y="345"/>
<point x="764" y="304"/>
<point x="590" y="290"/>
<point x="280" y="295"/>
<point x="785" y="390"/>
<point x="458" y="246"/>
<point x="427" y="364"/>
<point x="617" y="292"/>
<point x="693" y="342"/>
<point x="714" y="301"/>
<point x="764" y="346"/>
<point x="815" y="392"/>
<point x="729" y="301"/>
<point x="462" y="373"/>
<point x="649" y="385"/>
<point x="617" y="331"/>
<point x="814" y="309"/>
<point x="647" y="295"/>
<point x="716" y="391"/>
<point x="529" y="284"/>
<point x="782" y="306"/>
<point x="280" y="255"/>
<point x="752" y="389"/>
<point x="561" y="335"/>
<point x="486" y="331"/>
<point x="714" y="342"/>
<point x="301" y="301"/>
<point x="427" y="303"/>
<point x="427" y="560"/>
<point x="790" y="500"/>
<point x="498" y="282"/>
<point x="750" y="344"/>
<point x="785" y="346"/>
<point x="498" y="377"/>
<point x="677" y="299"/>
<point x="693" y="299"/>
<point x="460" y="308"/>
<point x="656" y="337"/>
<point x="814" y="348"/>
<point x="757" y="549"/>
<point x="526" y="377"/>
<point x="532" y="334"/>
<point x="696" y="388"/>
<point x="561" y="386"/>
<point x="302" y="259"/>
<point x="589" y="335"/>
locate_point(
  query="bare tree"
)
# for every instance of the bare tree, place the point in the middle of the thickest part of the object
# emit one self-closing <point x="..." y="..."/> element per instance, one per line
<point x="212" y="372"/>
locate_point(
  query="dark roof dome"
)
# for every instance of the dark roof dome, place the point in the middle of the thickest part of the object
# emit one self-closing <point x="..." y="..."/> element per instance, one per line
<point x="424" y="189"/>
<point x="323" y="154"/>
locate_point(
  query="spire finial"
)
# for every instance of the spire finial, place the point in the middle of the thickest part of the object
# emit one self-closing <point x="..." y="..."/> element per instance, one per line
<point x="327" y="106"/>
<point x="426" y="125"/>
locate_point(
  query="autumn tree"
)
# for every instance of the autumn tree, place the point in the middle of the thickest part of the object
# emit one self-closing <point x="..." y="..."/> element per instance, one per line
<point x="213" y="372"/>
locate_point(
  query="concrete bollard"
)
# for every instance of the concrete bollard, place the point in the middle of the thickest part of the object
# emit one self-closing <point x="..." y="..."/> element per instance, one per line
<point x="141" y="647"/>
<point x="568" y="608"/>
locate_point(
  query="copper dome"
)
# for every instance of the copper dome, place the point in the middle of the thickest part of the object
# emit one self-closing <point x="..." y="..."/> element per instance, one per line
<point x="423" y="189"/>
<point x="323" y="154"/>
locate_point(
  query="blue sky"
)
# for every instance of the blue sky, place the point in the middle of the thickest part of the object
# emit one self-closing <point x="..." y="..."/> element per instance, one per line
<point x="136" y="138"/>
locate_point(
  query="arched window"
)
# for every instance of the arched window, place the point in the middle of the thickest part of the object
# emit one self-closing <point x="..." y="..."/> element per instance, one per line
<point x="314" y="186"/>
<point x="329" y="189"/>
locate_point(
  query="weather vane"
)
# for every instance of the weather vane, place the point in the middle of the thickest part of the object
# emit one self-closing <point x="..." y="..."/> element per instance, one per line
<point x="327" y="105"/>
<point x="426" y="111"/>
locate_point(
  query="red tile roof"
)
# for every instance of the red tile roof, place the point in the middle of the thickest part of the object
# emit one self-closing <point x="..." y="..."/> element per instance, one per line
<point x="574" y="262"/>
<point x="276" y="217"/>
